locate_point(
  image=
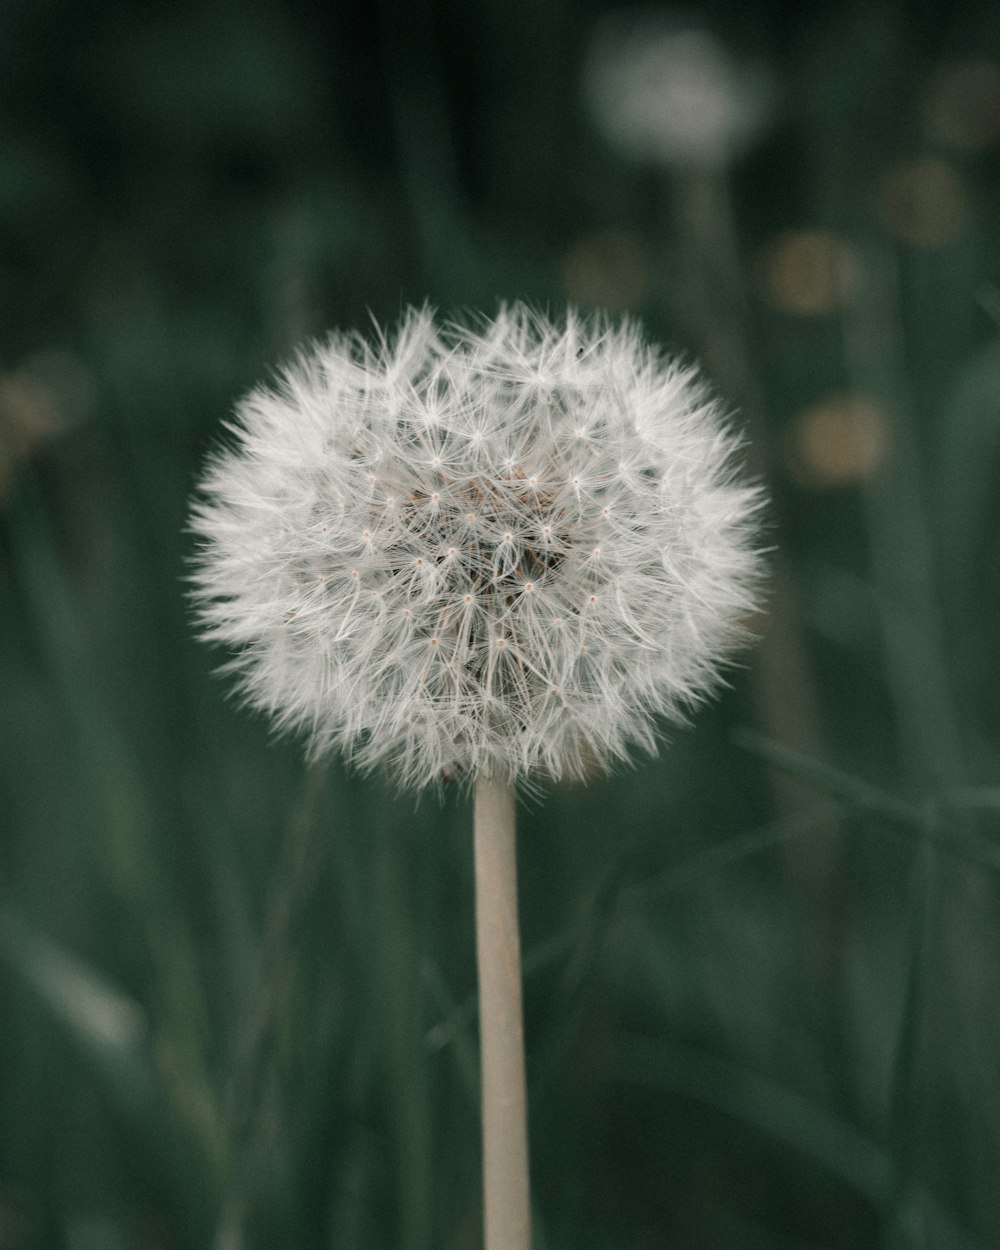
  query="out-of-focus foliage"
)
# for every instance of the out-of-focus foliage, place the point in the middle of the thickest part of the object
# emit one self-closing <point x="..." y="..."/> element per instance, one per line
<point x="763" y="989"/>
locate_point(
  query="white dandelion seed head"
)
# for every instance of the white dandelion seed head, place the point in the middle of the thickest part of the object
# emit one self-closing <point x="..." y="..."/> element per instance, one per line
<point x="501" y="551"/>
<point x="669" y="92"/>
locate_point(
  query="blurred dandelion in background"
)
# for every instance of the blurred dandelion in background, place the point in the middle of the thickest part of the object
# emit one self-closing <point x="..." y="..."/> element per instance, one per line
<point x="663" y="89"/>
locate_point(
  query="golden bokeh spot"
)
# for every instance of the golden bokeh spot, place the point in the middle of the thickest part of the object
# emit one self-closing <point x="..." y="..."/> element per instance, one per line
<point x="839" y="441"/>
<point x="923" y="202"/>
<point x="605" y="270"/>
<point x="809" y="273"/>
<point x="964" y="104"/>
<point x="30" y="414"/>
<point x="30" y="410"/>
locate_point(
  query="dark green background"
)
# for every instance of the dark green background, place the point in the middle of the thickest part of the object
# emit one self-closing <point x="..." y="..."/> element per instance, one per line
<point x="762" y="981"/>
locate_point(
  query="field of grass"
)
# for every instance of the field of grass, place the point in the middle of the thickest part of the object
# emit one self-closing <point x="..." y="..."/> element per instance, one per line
<point x="762" y="971"/>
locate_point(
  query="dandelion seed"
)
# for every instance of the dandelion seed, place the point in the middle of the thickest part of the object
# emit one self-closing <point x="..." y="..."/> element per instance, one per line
<point x="458" y="540"/>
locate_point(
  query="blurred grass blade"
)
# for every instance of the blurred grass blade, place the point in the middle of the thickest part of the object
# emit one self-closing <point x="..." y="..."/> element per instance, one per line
<point x="963" y="843"/>
<point x="108" y="1025"/>
<point x="454" y="1030"/>
<point x="807" y="1127"/>
<point x="99" y="1015"/>
<point x="904" y="1092"/>
<point x="397" y="980"/>
<point x="720" y="855"/>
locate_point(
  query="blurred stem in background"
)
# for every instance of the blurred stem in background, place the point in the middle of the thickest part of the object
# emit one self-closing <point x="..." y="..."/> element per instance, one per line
<point x="713" y="294"/>
<point x="926" y="720"/>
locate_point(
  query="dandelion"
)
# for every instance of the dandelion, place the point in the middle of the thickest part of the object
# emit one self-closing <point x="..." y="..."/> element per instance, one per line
<point x="498" y="553"/>
<point x="505" y="551"/>
<point x="665" y="91"/>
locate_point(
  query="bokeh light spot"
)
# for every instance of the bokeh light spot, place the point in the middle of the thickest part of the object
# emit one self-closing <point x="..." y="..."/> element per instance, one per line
<point x="839" y="441"/>
<point x="809" y="273"/>
<point x="35" y="406"/>
<point x="964" y="104"/>
<point x="923" y="202"/>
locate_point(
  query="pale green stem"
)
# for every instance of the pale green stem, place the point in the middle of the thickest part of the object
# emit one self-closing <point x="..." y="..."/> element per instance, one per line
<point x="507" y="1208"/>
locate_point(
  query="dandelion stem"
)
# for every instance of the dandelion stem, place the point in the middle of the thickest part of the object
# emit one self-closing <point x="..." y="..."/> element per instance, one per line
<point x="501" y="1032"/>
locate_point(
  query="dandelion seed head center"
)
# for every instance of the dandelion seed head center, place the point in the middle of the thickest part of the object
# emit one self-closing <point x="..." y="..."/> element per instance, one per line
<point x="504" y="576"/>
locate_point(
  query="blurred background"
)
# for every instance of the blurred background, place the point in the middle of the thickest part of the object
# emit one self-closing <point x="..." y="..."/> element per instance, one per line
<point x="237" y="996"/>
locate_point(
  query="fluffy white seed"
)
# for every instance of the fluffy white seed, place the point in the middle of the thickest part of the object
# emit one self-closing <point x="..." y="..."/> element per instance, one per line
<point x="504" y="550"/>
